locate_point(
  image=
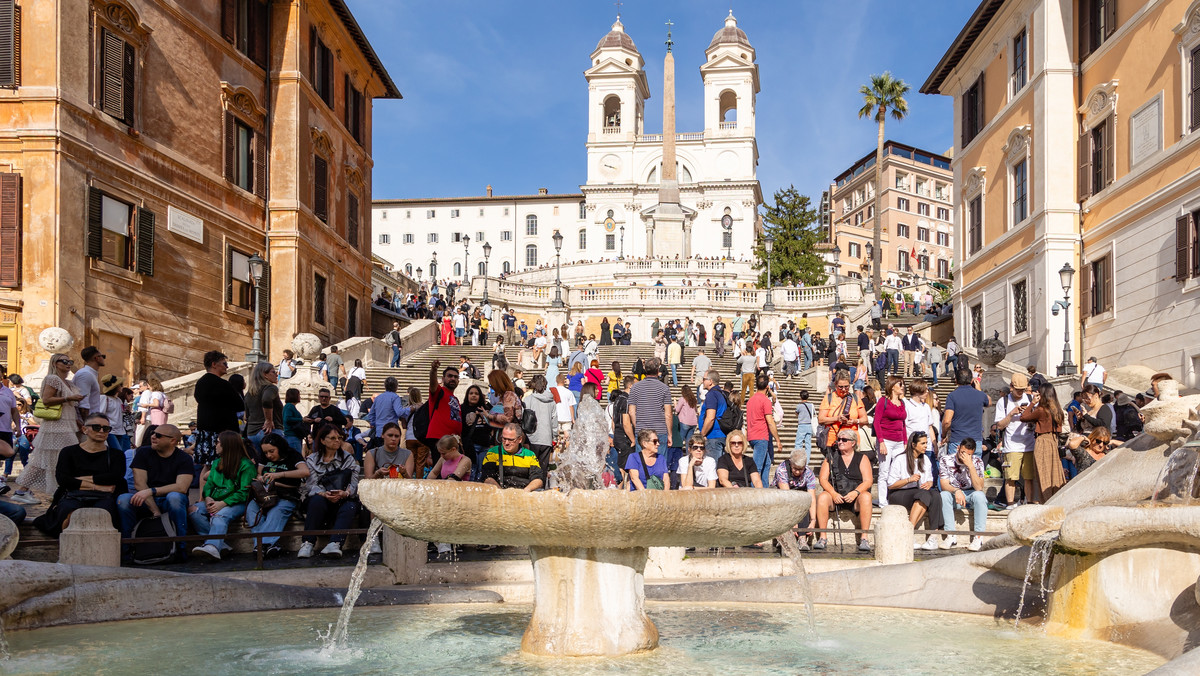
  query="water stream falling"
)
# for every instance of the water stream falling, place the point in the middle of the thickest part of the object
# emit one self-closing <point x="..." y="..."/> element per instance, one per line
<point x="581" y="465"/>
<point x="337" y="637"/>
<point x="4" y="654"/>
<point x="1042" y="550"/>
<point x="790" y="542"/>
<point x="1177" y="480"/>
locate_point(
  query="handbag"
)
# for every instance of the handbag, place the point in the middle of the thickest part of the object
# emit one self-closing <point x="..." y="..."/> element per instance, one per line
<point x="337" y="480"/>
<point x="264" y="497"/>
<point x="41" y="410"/>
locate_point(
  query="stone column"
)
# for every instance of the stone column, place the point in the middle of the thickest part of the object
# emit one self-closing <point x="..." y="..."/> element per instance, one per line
<point x="90" y="540"/>
<point x="893" y="536"/>
<point x="404" y="556"/>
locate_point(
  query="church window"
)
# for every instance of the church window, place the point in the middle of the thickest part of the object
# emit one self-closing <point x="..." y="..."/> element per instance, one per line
<point x="531" y="256"/>
<point x="482" y="267"/>
<point x="612" y="114"/>
<point x="610" y="242"/>
<point x="727" y="240"/>
<point x="408" y="269"/>
<point x="408" y="238"/>
<point x="728" y="103"/>
<point x="582" y="210"/>
<point x="507" y="266"/>
<point x="458" y="269"/>
<point x="506" y="235"/>
<point x="582" y="239"/>
<point x="531" y="225"/>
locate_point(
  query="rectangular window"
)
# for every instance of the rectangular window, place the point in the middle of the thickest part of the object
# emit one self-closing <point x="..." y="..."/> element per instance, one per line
<point x="610" y="242"/>
<point x="943" y="269"/>
<point x="583" y="211"/>
<point x="921" y="189"/>
<point x="10" y="44"/>
<point x="943" y="214"/>
<point x="506" y="235"/>
<point x="243" y="177"/>
<point x="1097" y="287"/>
<point x="902" y="204"/>
<point x="355" y="112"/>
<point x="726" y="240"/>
<point x="120" y="234"/>
<point x="871" y="211"/>
<point x="430" y="213"/>
<point x="1020" y="307"/>
<point x="976" y="324"/>
<point x="454" y="213"/>
<point x="115" y="231"/>
<point x="902" y="230"/>
<point x="1194" y="90"/>
<point x="1096" y="158"/>
<point x="321" y="188"/>
<point x="481" y="212"/>
<point x="244" y="25"/>
<point x="975" y="224"/>
<point x="10" y="230"/>
<point x="352" y="220"/>
<point x="901" y="181"/>
<point x="972" y="111"/>
<point x="351" y="317"/>
<point x="1097" y="23"/>
<point x="318" y="299"/>
<point x="505" y="211"/>
<point x="858" y="218"/>
<point x="854" y="250"/>
<point x="923" y="234"/>
<point x="385" y="238"/>
<point x="409" y="238"/>
<point x="531" y="256"/>
<point x="942" y="239"/>
<point x="240" y="289"/>
<point x="479" y="236"/>
<point x="408" y="213"/>
<point x="116" y="76"/>
<point x="582" y="240"/>
<point x="245" y="156"/>
<point x="902" y="262"/>
<point x="1187" y="246"/>
<point x="431" y="238"/>
<point x="321" y="68"/>
<point x="1020" y="183"/>
<point x="922" y="209"/>
<point x="1020" y="67"/>
<point x="456" y="237"/>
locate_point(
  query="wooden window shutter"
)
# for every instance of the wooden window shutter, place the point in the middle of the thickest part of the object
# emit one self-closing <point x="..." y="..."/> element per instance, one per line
<point x="1085" y="165"/>
<point x="230" y="147"/>
<point x="145" y="242"/>
<point x="229" y="274"/>
<point x="127" y="84"/>
<point x="327" y="75"/>
<point x="264" y="290"/>
<point x="10" y="44"/>
<point x="260" y="164"/>
<point x="1110" y="17"/>
<point x="312" y="56"/>
<point x="1183" y="232"/>
<point x="95" y="235"/>
<point x="260" y="32"/>
<point x="1085" y="28"/>
<point x="1195" y="89"/>
<point x="1105" y="283"/>
<point x="980" y="120"/>
<point x="362" y="117"/>
<point x="321" y="188"/>
<point x="112" y="78"/>
<point x="352" y="221"/>
<point x="1085" y="291"/>
<point x="229" y="20"/>
<point x="966" y="117"/>
<point x="1110" y="149"/>
<point x="10" y="230"/>
<point x="348" y="101"/>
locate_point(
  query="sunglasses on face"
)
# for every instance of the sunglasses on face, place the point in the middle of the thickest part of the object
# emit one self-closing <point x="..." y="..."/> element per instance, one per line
<point x="156" y="435"/>
<point x="100" y="428"/>
<point x="698" y="446"/>
<point x="652" y="441"/>
<point x="848" y="441"/>
<point x="512" y="439"/>
<point x="68" y="362"/>
<point x="737" y="443"/>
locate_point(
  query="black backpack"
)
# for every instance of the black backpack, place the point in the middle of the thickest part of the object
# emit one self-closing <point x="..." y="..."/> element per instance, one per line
<point x="420" y="422"/>
<point x="732" y="419"/>
<point x="150" y="553"/>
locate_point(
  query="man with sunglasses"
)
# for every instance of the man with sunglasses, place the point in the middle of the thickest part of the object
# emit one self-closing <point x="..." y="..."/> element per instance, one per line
<point x="326" y="412"/>
<point x="162" y="475"/>
<point x="511" y="464"/>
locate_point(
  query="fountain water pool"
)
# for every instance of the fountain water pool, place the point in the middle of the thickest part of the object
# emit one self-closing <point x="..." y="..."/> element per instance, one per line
<point x="721" y="639"/>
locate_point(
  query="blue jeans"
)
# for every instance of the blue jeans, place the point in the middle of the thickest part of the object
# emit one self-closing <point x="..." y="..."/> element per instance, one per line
<point x="685" y="434"/>
<point x="1070" y="469"/>
<point x="13" y="511"/>
<point x="806" y="358"/>
<point x="933" y="367"/>
<point x="976" y="502"/>
<point x="175" y="504"/>
<point x="764" y="455"/>
<point x="395" y="356"/>
<point x="714" y="448"/>
<point x="295" y="442"/>
<point x="674" y="375"/>
<point x="893" y="360"/>
<point x="272" y="522"/>
<point x="217" y="524"/>
<point x="20" y="452"/>
<point x="256" y="440"/>
<point x="804" y="436"/>
<point x="119" y="442"/>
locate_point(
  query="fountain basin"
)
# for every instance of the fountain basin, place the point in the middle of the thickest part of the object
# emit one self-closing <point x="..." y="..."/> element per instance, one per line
<point x="588" y="547"/>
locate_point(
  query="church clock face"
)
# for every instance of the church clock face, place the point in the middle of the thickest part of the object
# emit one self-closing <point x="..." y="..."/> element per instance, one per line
<point x="727" y="222"/>
<point x="610" y="165"/>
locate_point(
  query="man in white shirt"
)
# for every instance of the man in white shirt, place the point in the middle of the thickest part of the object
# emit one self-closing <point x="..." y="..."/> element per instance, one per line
<point x="539" y="349"/>
<point x="892" y="344"/>
<point x="87" y="381"/>
<point x="1018" y="439"/>
<point x="789" y="352"/>
<point x="700" y="364"/>
<point x="565" y="401"/>
<point x="1093" y="373"/>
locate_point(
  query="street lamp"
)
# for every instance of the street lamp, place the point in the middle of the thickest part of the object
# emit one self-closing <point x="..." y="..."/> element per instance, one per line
<point x="487" y="253"/>
<point x="558" y="301"/>
<point x="837" y="291"/>
<point x="622" y="241"/>
<point x="769" y="244"/>
<point x="466" y="255"/>
<point x="433" y="269"/>
<point x="255" y="354"/>
<point x="418" y="274"/>
<point x="1065" y="275"/>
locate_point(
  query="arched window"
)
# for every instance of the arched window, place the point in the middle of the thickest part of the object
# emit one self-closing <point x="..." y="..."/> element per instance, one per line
<point x="432" y="270"/>
<point x="531" y="255"/>
<point x="506" y="267"/>
<point x="531" y="224"/>
<point x="612" y="113"/>
<point x="482" y="268"/>
<point x="582" y="239"/>
<point x="582" y="210"/>
<point x="728" y="107"/>
<point x="408" y="269"/>
<point x="458" y="269"/>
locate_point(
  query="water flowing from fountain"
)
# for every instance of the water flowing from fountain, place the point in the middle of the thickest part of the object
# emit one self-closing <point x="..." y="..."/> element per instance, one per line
<point x="337" y="637"/>
<point x="1177" y="481"/>
<point x="1041" y="550"/>
<point x="790" y="542"/>
<point x="4" y="654"/>
<point x="582" y="463"/>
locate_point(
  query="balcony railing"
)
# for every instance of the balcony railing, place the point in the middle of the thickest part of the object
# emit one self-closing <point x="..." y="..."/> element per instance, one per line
<point x="610" y="130"/>
<point x="727" y="125"/>
<point x="683" y="136"/>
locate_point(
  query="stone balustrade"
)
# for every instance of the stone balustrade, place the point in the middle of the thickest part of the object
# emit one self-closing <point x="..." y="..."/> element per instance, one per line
<point x="727" y="271"/>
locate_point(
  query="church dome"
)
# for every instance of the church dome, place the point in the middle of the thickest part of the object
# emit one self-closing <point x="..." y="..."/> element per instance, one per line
<point x="617" y="37"/>
<point x="729" y="34"/>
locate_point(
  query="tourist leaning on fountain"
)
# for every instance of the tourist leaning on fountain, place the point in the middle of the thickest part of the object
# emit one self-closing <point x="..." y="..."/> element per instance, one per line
<point x="331" y="491"/>
<point x="845" y="480"/>
<point x="510" y="464"/>
<point x="962" y="486"/>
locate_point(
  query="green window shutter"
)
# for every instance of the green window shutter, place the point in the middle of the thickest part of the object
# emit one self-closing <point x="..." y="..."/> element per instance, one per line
<point x="264" y="291"/>
<point x="95" y="237"/>
<point x="145" y="242"/>
<point x="10" y="230"/>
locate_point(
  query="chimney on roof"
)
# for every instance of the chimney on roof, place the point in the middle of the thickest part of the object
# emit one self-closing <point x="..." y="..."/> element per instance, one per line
<point x="489" y="190"/>
<point x="543" y="191"/>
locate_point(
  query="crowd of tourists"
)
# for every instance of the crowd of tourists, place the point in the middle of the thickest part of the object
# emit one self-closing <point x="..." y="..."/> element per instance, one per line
<point x="252" y="457"/>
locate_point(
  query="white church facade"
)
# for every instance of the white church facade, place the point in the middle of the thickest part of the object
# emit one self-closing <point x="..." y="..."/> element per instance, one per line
<point x="713" y="196"/>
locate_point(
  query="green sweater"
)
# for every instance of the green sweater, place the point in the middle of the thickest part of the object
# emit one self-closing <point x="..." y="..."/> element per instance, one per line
<point x="230" y="491"/>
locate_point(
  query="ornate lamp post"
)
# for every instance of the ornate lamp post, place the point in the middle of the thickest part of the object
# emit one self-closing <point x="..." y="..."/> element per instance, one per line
<point x="558" y="301"/>
<point x="769" y="244"/>
<point x="466" y="255"/>
<point x="418" y="274"/>
<point x="837" y="289"/>
<point x="255" y="354"/>
<point x="433" y="268"/>
<point x="622" y="241"/>
<point x="1065" y="275"/>
<point x="487" y="253"/>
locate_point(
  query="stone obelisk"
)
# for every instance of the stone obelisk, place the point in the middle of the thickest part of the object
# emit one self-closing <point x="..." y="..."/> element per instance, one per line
<point x="668" y="228"/>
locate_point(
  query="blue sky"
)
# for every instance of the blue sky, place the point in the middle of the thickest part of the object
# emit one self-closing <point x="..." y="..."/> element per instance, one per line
<point x="494" y="91"/>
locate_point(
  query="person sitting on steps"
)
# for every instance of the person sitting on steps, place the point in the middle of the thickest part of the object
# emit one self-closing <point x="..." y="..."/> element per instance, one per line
<point x="846" y="480"/>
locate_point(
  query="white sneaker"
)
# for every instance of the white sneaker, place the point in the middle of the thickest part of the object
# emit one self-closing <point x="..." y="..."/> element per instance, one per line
<point x="976" y="544"/>
<point x="375" y="547"/>
<point x="931" y="543"/>
<point x="209" y="551"/>
<point x="306" y="551"/>
<point x="24" y="499"/>
<point x="333" y="550"/>
<point x="949" y="542"/>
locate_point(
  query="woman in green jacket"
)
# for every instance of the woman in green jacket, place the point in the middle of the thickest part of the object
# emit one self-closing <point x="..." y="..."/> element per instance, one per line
<point x="226" y="492"/>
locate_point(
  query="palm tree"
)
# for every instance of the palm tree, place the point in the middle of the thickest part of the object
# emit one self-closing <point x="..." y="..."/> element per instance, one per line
<point x="883" y="94"/>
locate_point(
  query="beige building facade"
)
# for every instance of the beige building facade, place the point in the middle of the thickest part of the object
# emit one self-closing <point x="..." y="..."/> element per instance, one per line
<point x="917" y="216"/>
<point x="151" y="147"/>
<point x="1076" y="144"/>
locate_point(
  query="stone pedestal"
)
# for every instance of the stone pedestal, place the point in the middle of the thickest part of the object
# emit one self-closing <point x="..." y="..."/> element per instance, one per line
<point x="90" y="540"/>
<point x="893" y="536"/>
<point x="9" y="537"/>
<point x="588" y="602"/>
<point x="404" y="556"/>
<point x="665" y="562"/>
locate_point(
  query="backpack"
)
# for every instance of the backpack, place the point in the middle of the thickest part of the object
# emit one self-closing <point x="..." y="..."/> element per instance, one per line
<point x="420" y="422"/>
<point x="819" y="346"/>
<point x="150" y="553"/>
<point x="168" y="405"/>
<point x="732" y="419"/>
<point x="881" y="361"/>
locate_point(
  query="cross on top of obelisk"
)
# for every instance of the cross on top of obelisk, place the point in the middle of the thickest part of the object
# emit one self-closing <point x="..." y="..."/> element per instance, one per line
<point x="670" y="42"/>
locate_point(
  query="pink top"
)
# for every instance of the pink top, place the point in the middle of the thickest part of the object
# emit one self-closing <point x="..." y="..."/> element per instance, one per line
<point x="448" y="469"/>
<point x="889" y="421"/>
<point x="758" y="409"/>
<point x="687" y="414"/>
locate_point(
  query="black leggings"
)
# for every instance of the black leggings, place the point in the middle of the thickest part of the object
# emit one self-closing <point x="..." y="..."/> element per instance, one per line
<point x="926" y="496"/>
